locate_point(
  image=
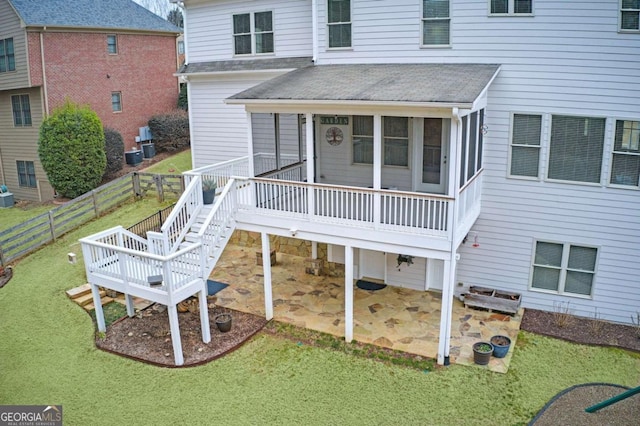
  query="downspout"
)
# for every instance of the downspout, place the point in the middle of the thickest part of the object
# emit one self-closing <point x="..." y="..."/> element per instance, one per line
<point x="314" y="29"/>
<point x="44" y="75"/>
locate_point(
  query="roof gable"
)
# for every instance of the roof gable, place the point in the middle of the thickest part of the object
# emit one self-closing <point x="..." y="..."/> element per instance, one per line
<point x="95" y="14"/>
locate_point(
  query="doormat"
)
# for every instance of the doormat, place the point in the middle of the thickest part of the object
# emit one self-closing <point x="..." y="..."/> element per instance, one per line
<point x="215" y="286"/>
<point x="368" y="285"/>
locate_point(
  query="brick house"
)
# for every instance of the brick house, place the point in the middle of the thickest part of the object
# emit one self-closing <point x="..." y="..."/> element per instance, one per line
<point x="117" y="57"/>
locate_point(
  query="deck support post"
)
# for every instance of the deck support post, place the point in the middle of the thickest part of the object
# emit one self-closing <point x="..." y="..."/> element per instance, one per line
<point x="95" y="291"/>
<point x="446" y="311"/>
<point x="204" y="314"/>
<point x="314" y="249"/>
<point x="266" y="266"/>
<point x="174" y="326"/>
<point x="129" y="303"/>
<point x="348" y="293"/>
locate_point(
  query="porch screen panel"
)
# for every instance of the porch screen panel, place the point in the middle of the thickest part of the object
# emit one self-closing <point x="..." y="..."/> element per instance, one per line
<point x="289" y="141"/>
<point x="473" y="144"/>
<point x="362" y="139"/>
<point x="481" y="133"/>
<point x="576" y="148"/>
<point x="264" y="143"/>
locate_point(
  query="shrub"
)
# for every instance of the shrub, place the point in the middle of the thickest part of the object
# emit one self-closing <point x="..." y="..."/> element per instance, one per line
<point x="170" y="131"/>
<point x="71" y="149"/>
<point x="114" y="148"/>
<point x="183" y="99"/>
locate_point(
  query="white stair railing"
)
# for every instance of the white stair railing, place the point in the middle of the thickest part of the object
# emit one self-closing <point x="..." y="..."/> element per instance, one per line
<point x="183" y="215"/>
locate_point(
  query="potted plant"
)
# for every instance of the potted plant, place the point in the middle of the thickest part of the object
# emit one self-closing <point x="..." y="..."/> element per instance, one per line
<point x="501" y="346"/>
<point x="482" y="352"/>
<point x="223" y="322"/>
<point x="209" y="186"/>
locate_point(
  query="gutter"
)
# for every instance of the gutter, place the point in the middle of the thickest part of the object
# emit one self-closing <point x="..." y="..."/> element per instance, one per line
<point x="312" y="102"/>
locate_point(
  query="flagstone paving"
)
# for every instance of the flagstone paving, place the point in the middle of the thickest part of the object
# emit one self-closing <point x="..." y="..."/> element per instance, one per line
<point x="393" y="317"/>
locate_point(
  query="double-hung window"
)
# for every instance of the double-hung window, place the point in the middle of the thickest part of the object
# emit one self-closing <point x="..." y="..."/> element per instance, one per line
<point x="339" y="23"/>
<point x="526" y="130"/>
<point x="396" y="141"/>
<point x="564" y="268"/>
<point x="21" y="110"/>
<point x="630" y="16"/>
<point x="112" y="44"/>
<point x="7" y="57"/>
<point x="436" y="22"/>
<point x="625" y="165"/>
<point x="576" y="148"/>
<point x="253" y="33"/>
<point x="510" y="7"/>
<point x="116" y="101"/>
<point x="26" y="174"/>
<point x="362" y="137"/>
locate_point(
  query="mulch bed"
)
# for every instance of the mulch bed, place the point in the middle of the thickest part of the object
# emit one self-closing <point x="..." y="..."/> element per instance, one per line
<point x="146" y="337"/>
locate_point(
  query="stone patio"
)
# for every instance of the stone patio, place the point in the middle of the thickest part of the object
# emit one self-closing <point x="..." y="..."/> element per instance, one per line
<point x="393" y="317"/>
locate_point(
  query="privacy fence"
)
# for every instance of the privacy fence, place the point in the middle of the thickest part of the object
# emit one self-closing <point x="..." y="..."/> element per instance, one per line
<point x="29" y="236"/>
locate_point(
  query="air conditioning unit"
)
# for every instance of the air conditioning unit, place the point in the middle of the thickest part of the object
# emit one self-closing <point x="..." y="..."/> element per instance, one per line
<point x="145" y="134"/>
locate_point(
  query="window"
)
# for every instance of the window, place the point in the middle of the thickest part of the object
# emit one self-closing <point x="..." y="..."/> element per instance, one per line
<point x="575" y="151"/>
<point x="435" y="22"/>
<point x="630" y="15"/>
<point x="362" y="139"/>
<point x="112" y="44"/>
<point x="26" y="174"/>
<point x="7" y="58"/>
<point x="526" y="130"/>
<point x="253" y="33"/>
<point x="181" y="47"/>
<point x="625" y="166"/>
<point x="21" y="110"/>
<point x="339" y="23"/>
<point x="116" y="101"/>
<point x="510" y="7"/>
<point x="564" y="268"/>
<point x="396" y="141"/>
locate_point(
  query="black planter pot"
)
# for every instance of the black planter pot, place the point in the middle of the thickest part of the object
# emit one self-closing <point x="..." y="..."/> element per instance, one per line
<point x="223" y="322"/>
<point x="482" y="352"/>
<point x="208" y="196"/>
<point x="501" y="346"/>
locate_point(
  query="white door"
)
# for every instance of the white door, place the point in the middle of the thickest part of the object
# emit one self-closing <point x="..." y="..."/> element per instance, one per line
<point x="432" y="158"/>
<point x="372" y="264"/>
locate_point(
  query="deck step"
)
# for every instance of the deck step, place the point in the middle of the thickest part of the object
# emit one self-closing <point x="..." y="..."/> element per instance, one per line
<point x="87" y="298"/>
<point x="74" y="293"/>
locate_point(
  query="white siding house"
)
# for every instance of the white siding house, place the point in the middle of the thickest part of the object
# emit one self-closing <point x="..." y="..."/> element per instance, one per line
<point x="496" y="142"/>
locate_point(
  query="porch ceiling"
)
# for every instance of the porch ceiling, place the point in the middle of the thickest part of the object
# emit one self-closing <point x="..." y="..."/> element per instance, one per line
<point x="446" y="85"/>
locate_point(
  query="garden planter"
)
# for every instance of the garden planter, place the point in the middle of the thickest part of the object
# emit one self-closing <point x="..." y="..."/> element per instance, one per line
<point x="208" y="196"/>
<point x="223" y="322"/>
<point x="482" y="352"/>
<point x="492" y="299"/>
<point x="501" y="346"/>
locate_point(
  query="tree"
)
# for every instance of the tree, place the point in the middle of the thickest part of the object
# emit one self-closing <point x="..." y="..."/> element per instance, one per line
<point x="175" y="17"/>
<point x="71" y="149"/>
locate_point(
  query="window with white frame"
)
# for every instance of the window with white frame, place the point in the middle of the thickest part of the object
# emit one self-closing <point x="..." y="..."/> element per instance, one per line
<point x="339" y="23"/>
<point x="253" y="33"/>
<point x="112" y="44"/>
<point x="436" y="22"/>
<point x="576" y="148"/>
<point x="26" y="174"/>
<point x="630" y="15"/>
<point x="362" y="137"/>
<point x="21" y="108"/>
<point x="526" y="131"/>
<point x="625" y="165"/>
<point x="116" y="101"/>
<point x="510" y="7"/>
<point x="564" y="268"/>
<point x="396" y="141"/>
<point x="7" y="56"/>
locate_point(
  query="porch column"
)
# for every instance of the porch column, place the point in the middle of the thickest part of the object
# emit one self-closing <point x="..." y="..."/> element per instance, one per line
<point x="311" y="163"/>
<point x="266" y="266"/>
<point x="377" y="166"/>
<point x="348" y="293"/>
<point x="314" y="249"/>
<point x="95" y="291"/>
<point x="250" y="147"/>
<point x="446" y="310"/>
<point x="174" y="326"/>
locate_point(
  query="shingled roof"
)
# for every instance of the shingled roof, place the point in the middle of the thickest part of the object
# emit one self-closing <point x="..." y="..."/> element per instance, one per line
<point x="93" y="14"/>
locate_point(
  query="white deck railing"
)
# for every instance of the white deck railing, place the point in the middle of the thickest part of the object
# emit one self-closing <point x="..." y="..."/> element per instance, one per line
<point x="182" y="216"/>
<point x="469" y="197"/>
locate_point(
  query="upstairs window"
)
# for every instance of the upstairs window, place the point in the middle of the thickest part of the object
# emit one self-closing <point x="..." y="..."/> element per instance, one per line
<point x="564" y="268"/>
<point x="630" y="15"/>
<point x="625" y="165"/>
<point x="181" y="47"/>
<point x="339" y="23"/>
<point x="253" y="33"/>
<point x="526" y="131"/>
<point x="116" y="102"/>
<point x="436" y="22"/>
<point x="576" y="148"/>
<point x="7" y="57"/>
<point x="362" y="138"/>
<point x="21" y="110"/>
<point x="396" y="141"/>
<point x="26" y="174"/>
<point x="510" y="7"/>
<point x="112" y="44"/>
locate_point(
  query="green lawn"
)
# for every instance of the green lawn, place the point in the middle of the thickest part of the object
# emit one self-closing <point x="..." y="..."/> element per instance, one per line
<point x="21" y="212"/>
<point x="176" y="164"/>
<point x="47" y="356"/>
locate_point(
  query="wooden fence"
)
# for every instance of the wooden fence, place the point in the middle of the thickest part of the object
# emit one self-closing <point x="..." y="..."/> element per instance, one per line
<point x="40" y="230"/>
